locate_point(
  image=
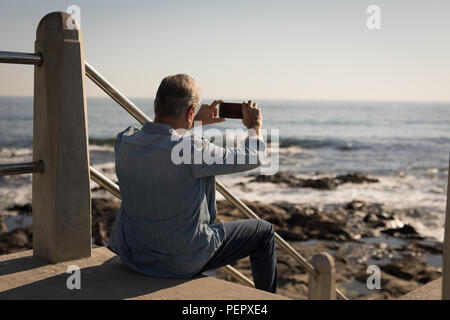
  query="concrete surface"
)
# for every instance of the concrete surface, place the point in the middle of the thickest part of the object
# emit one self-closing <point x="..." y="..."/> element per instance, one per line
<point x="430" y="291"/>
<point x="103" y="276"/>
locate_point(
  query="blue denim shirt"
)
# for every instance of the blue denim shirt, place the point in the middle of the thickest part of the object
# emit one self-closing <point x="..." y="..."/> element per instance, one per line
<point x="165" y="226"/>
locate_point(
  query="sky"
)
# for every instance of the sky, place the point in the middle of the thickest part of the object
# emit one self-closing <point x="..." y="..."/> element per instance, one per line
<point x="294" y="50"/>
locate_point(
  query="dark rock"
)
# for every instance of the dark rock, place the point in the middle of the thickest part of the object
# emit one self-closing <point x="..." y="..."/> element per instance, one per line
<point x="336" y="229"/>
<point x="411" y="268"/>
<point x="361" y="252"/>
<point x="17" y="240"/>
<point x="321" y="183"/>
<point x="434" y="247"/>
<point x="297" y="219"/>
<point x="391" y="286"/>
<point x="355" y="177"/>
<point x="279" y="177"/>
<point x="243" y="187"/>
<point x="385" y="215"/>
<point x="324" y="183"/>
<point x="424" y="246"/>
<point x="374" y="220"/>
<point x="99" y="233"/>
<point x="25" y="209"/>
<point x="266" y="210"/>
<point x="3" y="227"/>
<point x="104" y="213"/>
<point x="296" y="223"/>
<point x="355" y="205"/>
<point x="294" y="234"/>
<point x="293" y="181"/>
<point x="302" y="209"/>
<point x="405" y="232"/>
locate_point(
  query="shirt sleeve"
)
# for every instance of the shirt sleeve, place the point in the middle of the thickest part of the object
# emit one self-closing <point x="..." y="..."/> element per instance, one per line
<point x="209" y="159"/>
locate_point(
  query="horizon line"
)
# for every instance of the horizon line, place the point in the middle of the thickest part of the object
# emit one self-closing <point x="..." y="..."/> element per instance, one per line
<point x="272" y="99"/>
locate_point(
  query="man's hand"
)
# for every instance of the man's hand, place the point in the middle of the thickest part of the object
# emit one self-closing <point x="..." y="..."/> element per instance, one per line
<point x="208" y="113"/>
<point x="252" y="117"/>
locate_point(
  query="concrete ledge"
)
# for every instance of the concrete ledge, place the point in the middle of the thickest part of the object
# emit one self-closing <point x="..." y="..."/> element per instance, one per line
<point x="430" y="291"/>
<point x="103" y="276"/>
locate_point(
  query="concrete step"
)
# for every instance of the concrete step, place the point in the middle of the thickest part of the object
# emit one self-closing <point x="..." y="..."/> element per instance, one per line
<point x="103" y="276"/>
<point x="430" y="291"/>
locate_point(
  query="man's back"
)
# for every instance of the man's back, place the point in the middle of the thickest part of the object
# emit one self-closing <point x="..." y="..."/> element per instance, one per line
<point x="165" y="225"/>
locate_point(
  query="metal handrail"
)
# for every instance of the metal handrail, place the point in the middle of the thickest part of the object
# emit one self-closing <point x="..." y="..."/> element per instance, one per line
<point x="117" y="96"/>
<point x="279" y="240"/>
<point x="109" y="89"/>
<point x="98" y="177"/>
<point x="21" y="168"/>
<point x="20" y="58"/>
<point x="114" y="189"/>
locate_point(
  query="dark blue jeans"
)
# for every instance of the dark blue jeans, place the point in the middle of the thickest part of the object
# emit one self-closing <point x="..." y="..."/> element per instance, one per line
<point x="254" y="238"/>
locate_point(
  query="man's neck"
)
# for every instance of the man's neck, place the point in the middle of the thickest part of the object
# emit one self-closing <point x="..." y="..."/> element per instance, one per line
<point x="173" y="122"/>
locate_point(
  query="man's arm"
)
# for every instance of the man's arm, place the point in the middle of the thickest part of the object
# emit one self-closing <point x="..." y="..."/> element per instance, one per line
<point x="209" y="159"/>
<point x="208" y="114"/>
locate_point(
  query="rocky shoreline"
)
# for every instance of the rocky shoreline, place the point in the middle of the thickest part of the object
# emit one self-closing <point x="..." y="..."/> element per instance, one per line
<point x="323" y="183"/>
<point x="357" y="234"/>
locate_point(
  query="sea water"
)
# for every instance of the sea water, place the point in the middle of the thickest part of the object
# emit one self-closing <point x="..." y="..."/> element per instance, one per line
<point x="405" y="145"/>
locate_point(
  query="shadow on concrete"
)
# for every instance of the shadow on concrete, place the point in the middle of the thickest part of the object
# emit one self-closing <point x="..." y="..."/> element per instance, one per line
<point x="19" y="265"/>
<point x="111" y="280"/>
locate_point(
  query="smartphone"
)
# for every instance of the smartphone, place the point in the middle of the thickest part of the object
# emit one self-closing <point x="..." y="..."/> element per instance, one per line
<point x="230" y="110"/>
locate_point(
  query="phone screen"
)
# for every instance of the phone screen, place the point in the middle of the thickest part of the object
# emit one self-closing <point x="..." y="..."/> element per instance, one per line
<point x="230" y="110"/>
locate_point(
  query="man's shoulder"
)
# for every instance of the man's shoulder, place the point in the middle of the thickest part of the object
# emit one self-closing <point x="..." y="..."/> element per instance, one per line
<point x="129" y="131"/>
<point x="143" y="139"/>
<point x="129" y="135"/>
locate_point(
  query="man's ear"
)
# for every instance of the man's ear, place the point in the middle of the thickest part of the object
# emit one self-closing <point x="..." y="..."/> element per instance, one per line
<point x="190" y="114"/>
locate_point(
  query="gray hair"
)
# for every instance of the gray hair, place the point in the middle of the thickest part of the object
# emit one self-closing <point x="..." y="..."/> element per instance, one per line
<point x="175" y="95"/>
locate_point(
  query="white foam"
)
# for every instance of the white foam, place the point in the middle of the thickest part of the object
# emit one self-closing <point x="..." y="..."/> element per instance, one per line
<point x="15" y="155"/>
<point x="14" y="152"/>
<point x="406" y="192"/>
<point x="394" y="192"/>
<point x="14" y="189"/>
<point x="106" y="148"/>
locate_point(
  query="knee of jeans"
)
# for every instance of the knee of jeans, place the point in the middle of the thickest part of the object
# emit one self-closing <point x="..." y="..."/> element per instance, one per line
<point x="268" y="227"/>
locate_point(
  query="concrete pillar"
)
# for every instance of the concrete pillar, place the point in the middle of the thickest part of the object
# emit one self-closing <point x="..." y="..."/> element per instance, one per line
<point x="322" y="287"/>
<point x="61" y="194"/>
<point x="446" y="257"/>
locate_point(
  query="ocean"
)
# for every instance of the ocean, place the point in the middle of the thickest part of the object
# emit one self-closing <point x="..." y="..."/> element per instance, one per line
<point x="405" y="145"/>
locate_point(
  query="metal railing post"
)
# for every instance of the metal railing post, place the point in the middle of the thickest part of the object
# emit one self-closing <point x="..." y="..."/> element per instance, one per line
<point x="322" y="287"/>
<point x="446" y="256"/>
<point x="61" y="195"/>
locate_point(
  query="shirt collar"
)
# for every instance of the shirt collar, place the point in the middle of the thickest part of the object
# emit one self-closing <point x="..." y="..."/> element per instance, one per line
<point x="156" y="127"/>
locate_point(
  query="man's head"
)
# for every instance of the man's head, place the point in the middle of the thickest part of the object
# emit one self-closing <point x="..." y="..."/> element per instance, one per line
<point x="176" y="100"/>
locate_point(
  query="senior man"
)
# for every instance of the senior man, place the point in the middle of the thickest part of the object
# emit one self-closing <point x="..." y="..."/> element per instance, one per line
<point x="166" y="226"/>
